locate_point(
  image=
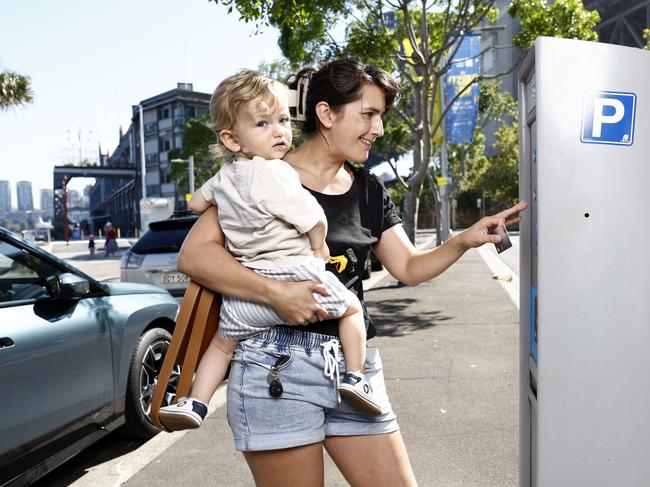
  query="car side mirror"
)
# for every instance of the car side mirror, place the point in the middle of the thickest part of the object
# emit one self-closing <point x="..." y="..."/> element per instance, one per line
<point x="73" y="285"/>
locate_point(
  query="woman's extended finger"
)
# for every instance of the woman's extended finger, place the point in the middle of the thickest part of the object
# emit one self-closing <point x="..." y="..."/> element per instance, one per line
<point x="513" y="210"/>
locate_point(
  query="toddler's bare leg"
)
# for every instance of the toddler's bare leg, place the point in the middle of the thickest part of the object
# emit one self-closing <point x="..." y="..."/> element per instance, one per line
<point x="212" y="368"/>
<point x="352" y="330"/>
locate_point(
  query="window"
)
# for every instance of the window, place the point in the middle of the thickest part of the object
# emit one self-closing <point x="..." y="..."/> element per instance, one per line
<point x="23" y="276"/>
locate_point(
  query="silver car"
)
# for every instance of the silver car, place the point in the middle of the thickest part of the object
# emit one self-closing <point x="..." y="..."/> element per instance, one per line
<point x="78" y="358"/>
<point x="153" y="258"/>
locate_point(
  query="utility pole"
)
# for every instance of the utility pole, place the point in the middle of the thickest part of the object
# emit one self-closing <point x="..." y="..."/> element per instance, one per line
<point x="143" y="165"/>
<point x="66" y="228"/>
<point x="443" y="181"/>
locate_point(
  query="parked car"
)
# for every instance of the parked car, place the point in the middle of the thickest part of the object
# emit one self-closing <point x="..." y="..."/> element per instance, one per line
<point x="152" y="259"/>
<point x="78" y="358"/>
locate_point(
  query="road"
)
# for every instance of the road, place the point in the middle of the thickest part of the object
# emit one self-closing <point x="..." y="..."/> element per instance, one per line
<point x="114" y="460"/>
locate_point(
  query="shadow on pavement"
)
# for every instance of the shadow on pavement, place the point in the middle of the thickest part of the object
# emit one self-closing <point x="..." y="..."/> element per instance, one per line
<point x="106" y="449"/>
<point x="394" y="314"/>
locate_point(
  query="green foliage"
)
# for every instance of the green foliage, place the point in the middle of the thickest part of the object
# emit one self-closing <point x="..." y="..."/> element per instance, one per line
<point x="564" y="18"/>
<point x="15" y="89"/>
<point x="494" y="104"/>
<point x="646" y="38"/>
<point x="498" y="176"/>
<point x="197" y="140"/>
<point x="303" y="24"/>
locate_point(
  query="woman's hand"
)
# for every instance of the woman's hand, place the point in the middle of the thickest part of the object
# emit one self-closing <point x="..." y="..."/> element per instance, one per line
<point x="295" y="302"/>
<point x="483" y="230"/>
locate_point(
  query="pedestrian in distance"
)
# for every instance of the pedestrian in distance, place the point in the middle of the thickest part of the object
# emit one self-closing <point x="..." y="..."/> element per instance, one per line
<point x="91" y="245"/>
<point x="262" y="203"/>
<point x="111" y="240"/>
<point x="282" y="437"/>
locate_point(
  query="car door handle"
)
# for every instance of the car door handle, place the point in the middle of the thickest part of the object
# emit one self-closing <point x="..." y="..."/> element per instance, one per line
<point x="6" y="342"/>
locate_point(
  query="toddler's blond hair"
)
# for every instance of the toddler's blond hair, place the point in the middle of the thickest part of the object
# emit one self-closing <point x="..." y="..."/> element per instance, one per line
<point x="232" y="95"/>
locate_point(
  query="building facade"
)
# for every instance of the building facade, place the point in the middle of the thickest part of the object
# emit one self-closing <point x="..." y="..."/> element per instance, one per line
<point x="24" y="196"/>
<point x="164" y="119"/>
<point x="5" y="199"/>
<point x="47" y="203"/>
<point x="621" y="21"/>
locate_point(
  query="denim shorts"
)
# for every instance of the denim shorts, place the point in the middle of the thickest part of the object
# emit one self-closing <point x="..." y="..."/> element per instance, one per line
<point x="307" y="410"/>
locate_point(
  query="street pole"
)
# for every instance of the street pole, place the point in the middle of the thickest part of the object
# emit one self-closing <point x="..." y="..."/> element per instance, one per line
<point x="443" y="184"/>
<point x="143" y="166"/>
<point x="191" y="169"/>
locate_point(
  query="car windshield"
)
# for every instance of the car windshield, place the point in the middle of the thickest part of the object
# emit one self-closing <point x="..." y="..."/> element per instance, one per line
<point x="164" y="236"/>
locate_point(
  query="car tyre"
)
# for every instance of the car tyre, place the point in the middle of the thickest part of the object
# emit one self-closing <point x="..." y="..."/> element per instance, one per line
<point x="143" y="374"/>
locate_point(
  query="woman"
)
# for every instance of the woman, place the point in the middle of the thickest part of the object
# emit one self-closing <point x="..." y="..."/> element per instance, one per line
<point x="283" y="437"/>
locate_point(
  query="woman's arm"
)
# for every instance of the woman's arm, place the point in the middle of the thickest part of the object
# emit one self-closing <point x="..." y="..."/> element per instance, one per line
<point x="412" y="266"/>
<point x="204" y="258"/>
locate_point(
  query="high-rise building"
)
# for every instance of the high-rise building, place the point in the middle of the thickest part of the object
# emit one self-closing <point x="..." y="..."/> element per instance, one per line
<point x="74" y="198"/>
<point x="47" y="202"/>
<point x="24" y="196"/>
<point x="5" y="198"/>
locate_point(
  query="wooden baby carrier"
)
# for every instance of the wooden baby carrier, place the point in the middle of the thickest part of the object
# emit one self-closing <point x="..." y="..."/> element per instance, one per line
<point x="197" y="322"/>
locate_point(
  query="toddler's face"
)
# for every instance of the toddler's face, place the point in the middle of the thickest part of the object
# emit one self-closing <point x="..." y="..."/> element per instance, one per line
<point x="264" y="131"/>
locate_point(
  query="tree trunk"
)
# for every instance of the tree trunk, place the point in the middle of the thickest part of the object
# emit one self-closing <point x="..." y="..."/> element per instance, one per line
<point x="411" y="207"/>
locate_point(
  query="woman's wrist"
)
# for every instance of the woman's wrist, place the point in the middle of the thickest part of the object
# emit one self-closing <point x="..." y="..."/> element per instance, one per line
<point x="271" y="292"/>
<point x="458" y="243"/>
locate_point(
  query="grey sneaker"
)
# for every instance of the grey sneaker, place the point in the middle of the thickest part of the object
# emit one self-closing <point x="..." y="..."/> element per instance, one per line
<point x="187" y="413"/>
<point x="357" y="390"/>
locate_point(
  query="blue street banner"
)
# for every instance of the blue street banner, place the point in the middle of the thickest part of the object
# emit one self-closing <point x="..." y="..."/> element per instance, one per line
<point x="461" y="117"/>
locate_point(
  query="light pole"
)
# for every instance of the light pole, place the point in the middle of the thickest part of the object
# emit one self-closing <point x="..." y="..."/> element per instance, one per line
<point x="190" y="162"/>
<point x="143" y="165"/>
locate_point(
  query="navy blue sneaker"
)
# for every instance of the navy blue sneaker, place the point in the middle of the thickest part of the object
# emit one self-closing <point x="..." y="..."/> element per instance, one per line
<point x="357" y="390"/>
<point x="187" y="413"/>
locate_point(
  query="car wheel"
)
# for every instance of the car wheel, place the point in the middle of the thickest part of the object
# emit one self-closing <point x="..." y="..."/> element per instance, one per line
<point x="143" y="374"/>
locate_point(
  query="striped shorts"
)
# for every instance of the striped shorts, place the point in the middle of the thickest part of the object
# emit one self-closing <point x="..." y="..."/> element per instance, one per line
<point x="241" y="319"/>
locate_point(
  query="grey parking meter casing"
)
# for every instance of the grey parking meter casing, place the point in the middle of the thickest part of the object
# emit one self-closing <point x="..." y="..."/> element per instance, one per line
<point x="584" y="132"/>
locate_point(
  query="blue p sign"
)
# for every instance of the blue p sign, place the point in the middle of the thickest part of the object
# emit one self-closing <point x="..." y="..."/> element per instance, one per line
<point x="608" y="118"/>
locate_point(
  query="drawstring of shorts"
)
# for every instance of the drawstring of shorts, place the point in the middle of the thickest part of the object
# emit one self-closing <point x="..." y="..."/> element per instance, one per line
<point x="331" y="368"/>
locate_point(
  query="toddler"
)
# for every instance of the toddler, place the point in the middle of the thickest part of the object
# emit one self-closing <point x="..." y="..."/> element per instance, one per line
<point x="273" y="226"/>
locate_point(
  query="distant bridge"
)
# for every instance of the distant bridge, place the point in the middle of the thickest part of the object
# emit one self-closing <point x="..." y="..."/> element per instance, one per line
<point x="63" y="174"/>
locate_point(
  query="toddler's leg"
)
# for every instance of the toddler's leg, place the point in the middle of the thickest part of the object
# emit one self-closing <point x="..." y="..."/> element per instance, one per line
<point x="189" y="413"/>
<point x="354" y="387"/>
<point x="213" y="367"/>
<point x="352" y="330"/>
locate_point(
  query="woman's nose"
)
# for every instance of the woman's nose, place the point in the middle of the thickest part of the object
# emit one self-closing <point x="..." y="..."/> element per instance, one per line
<point x="378" y="127"/>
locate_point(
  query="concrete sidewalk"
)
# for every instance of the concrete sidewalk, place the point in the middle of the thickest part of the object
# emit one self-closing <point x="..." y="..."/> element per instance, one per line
<point x="450" y="357"/>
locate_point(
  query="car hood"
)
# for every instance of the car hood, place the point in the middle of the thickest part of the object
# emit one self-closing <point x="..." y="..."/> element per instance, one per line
<point x="122" y="288"/>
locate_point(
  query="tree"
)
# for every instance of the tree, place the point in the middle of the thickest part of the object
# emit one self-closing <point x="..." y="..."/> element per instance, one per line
<point x="414" y="40"/>
<point x="495" y="106"/>
<point x="646" y="37"/>
<point x="15" y="89"/>
<point x="564" y="18"/>
<point x="197" y="140"/>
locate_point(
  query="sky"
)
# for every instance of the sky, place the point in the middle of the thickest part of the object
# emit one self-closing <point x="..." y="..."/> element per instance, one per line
<point x="90" y="61"/>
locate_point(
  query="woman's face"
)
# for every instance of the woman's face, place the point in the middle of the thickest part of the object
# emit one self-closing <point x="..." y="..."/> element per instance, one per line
<point x="357" y="125"/>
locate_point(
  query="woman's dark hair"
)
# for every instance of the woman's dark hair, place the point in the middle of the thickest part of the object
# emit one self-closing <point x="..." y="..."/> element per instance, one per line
<point x="338" y="83"/>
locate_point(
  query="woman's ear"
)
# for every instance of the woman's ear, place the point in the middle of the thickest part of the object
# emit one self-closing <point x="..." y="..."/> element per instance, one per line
<point x="228" y="139"/>
<point x="325" y="114"/>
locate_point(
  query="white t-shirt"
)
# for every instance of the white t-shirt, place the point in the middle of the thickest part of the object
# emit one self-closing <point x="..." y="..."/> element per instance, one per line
<point x="264" y="212"/>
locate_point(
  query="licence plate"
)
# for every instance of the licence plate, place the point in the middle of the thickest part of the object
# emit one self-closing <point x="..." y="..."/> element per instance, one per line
<point x="173" y="278"/>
